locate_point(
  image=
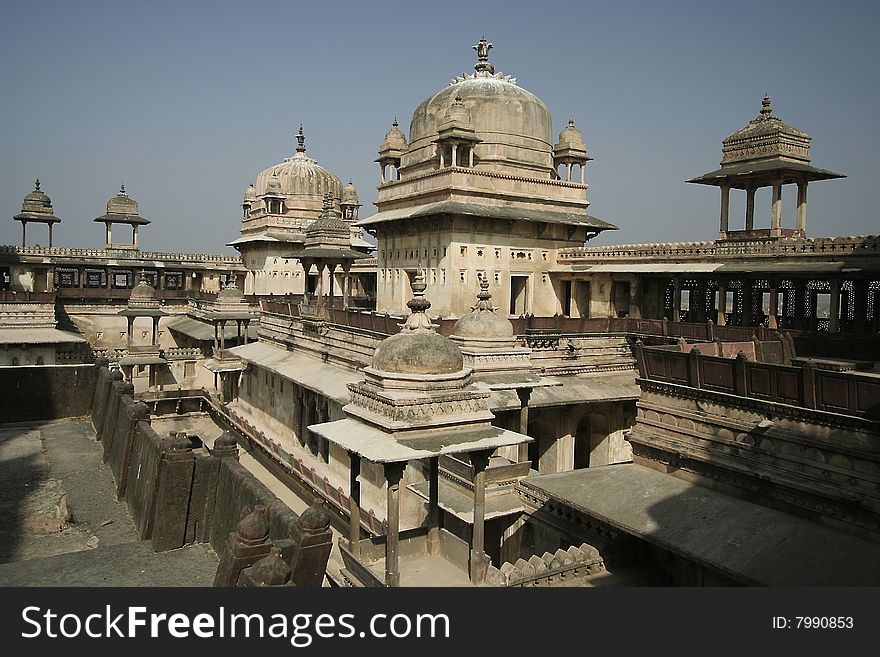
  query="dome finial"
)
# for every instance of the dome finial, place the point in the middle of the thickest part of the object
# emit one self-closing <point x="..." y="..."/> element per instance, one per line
<point x="766" y="108"/>
<point x="483" y="48"/>
<point x="418" y="320"/>
<point x="394" y="122"/>
<point x="570" y="121"/>
<point x="37" y="185"/>
<point x="122" y="189"/>
<point x="300" y="140"/>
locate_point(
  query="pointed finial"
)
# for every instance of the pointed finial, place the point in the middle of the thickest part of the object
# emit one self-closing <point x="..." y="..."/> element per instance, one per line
<point x="483" y="48"/>
<point x="484" y="297"/>
<point x="300" y="140"/>
<point x="766" y="108"/>
<point x="37" y="185"/>
<point x="394" y="122"/>
<point x="570" y="121"/>
<point x="418" y="320"/>
<point x="122" y="189"/>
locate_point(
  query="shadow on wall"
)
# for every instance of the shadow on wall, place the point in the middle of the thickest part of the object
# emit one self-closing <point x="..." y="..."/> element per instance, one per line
<point x="37" y="392"/>
<point x="21" y="478"/>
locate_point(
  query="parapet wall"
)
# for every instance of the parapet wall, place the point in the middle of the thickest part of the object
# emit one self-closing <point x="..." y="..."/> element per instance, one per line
<point x="46" y="392"/>
<point x="177" y="490"/>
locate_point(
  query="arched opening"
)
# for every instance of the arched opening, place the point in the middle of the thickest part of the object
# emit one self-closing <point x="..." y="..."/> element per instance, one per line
<point x="582" y="444"/>
<point x="591" y="442"/>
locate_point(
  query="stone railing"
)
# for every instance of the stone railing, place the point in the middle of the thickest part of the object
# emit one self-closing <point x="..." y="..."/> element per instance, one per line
<point x="304" y="473"/>
<point x="805" y="246"/>
<point x="845" y="393"/>
<point x="548" y="569"/>
<point x="122" y="254"/>
<point x="183" y="353"/>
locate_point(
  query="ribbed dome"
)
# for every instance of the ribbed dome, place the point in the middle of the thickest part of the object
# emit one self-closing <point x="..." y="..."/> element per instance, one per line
<point x="513" y="125"/>
<point x="299" y="175"/>
<point x="122" y="203"/>
<point x="350" y="194"/>
<point x="417" y="349"/>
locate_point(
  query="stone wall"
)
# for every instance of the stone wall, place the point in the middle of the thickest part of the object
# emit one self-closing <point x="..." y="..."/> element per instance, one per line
<point x="177" y="490"/>
<point x="37" y="392"/>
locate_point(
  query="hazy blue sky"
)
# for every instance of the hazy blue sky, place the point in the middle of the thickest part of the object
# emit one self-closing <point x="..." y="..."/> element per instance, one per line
<point x="187" y="101"/>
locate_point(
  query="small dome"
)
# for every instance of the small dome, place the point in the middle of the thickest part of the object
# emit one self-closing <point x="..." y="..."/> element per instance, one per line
<point x="273" y="186"/>
<point x="417" y="349"/>
<point x="37" y="206"/>
<point x="570" y="137"/>
<point x="483" y="322"/>
<point x="122" y="203"/>
<point x="350" y="194"/>
<point x="457" y="114"/>
<point x="226" y="440"/>
<point x="143" y="290"/>
<point x="250" y="194"/>
<point x="394" y="140"/>
<point x="300" y="177"/>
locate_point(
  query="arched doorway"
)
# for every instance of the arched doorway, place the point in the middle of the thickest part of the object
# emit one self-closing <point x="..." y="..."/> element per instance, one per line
<point x="591" y="446"/>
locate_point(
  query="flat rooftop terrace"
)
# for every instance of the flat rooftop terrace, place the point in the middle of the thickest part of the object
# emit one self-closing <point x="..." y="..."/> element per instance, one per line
<point x="60" y="522"/>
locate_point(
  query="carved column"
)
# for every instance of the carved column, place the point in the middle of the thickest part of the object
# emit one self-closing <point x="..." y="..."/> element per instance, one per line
<point x="354" y="504"/>
<point x="393" y="475"/>
<point x="479" y="562"/>
<point x="433" y="505"/>
<point x="524" y="394"/>
<point x="773" y="319"/>
<point x="750" y="208"/>
<point x="725" y="210"/>
<point x="834" y="312"/>
<point x="676" y="299"/>
<point x="722" y="303"/>
<point x="802" y="207"/>
<point x="776" y="211"/>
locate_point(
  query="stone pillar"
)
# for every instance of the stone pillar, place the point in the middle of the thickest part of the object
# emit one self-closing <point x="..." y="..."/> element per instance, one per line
<point x="393" y="475"/>
<point x="802" y="207"/>
<point x="725" y="210"/>
<point x="23" y="234"/>
<point x="134" y="235"/>
<point x="471" y="157"/>
<point x="222" y="334"/>
<point x="454" y="154"/>
<point x="171" y="506"/>
<point x="155" y="338"/>
<point x="434" y="505"/>
<point x="479" y="562"/>
<point x="524" y="394"/>
<point x="834" y="312"/>
<point x="750" y="208"/>
<point x="776" y="210"/>
<point x="582" y="165"/>
<point x="773" y="319"/>
<point x="246" y="323"/>
<point x="130" y="330"/>
<point x="109" y="236"/>
<point x="382" y="169"/>
<point x="676" y="300"/>
<point x="50" y="235"/>
<point x="722" y="303"/>
<point x="354" y="503"/>
<point x="346" y="285"/>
